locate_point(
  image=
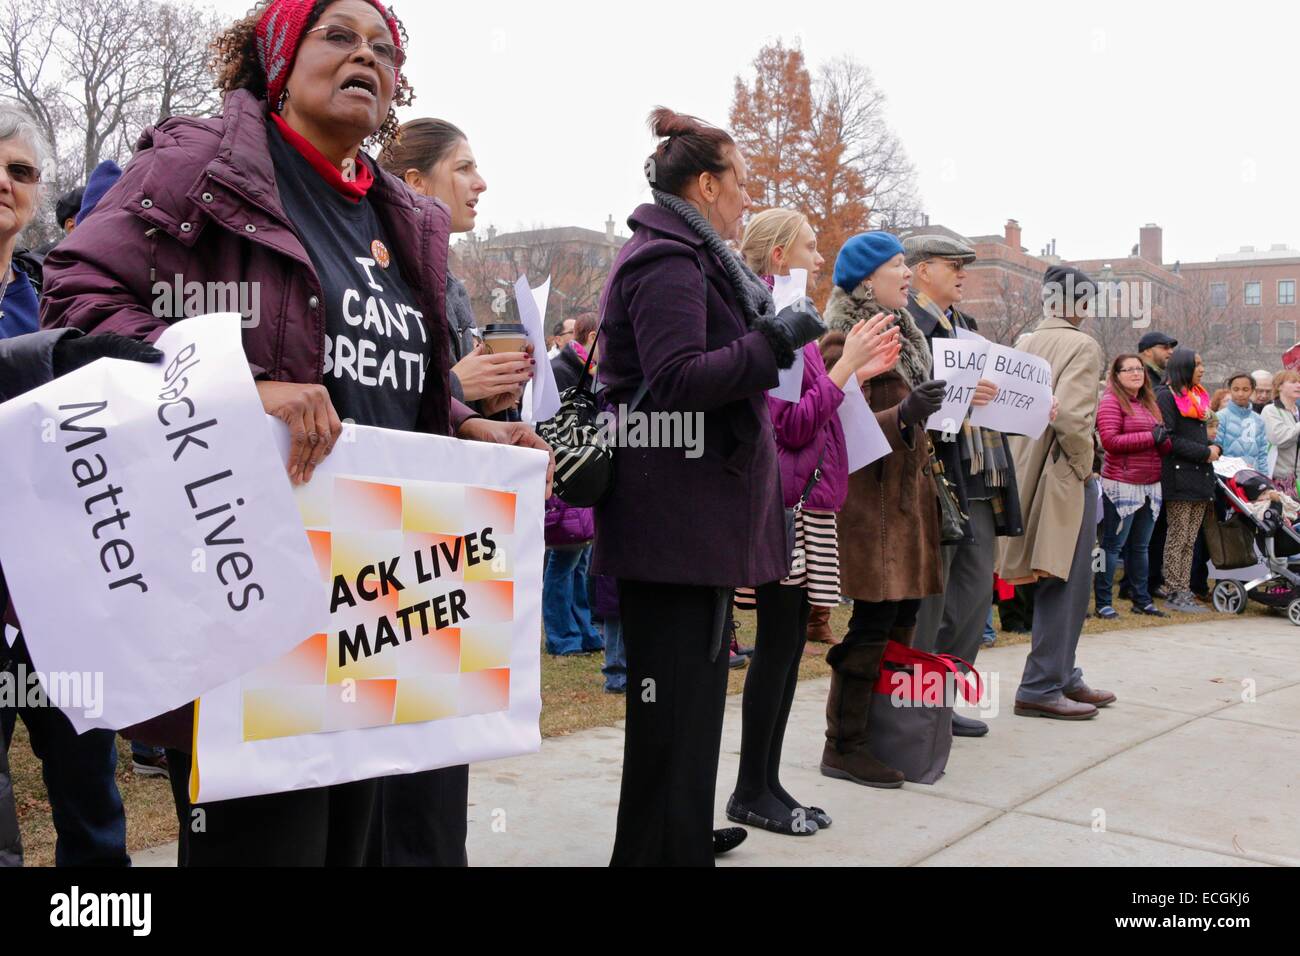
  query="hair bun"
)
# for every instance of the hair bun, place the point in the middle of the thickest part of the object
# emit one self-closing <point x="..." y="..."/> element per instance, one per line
<point x="665" y="122"/>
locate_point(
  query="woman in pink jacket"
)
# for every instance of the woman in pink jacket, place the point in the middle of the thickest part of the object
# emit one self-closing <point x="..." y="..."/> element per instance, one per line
<point x="814" y="481"/>
<point x="1133" y="436"/>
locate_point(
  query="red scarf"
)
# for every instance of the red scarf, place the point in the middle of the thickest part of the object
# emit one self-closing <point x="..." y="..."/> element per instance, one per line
<point x="354" y="189"/>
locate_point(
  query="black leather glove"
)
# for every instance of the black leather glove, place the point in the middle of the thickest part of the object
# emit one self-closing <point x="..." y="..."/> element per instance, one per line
<point x="72" y="352"/>
<point x="800" y="323"/>
<point x="922" y="402"/>
<point x="1159" y="433"/>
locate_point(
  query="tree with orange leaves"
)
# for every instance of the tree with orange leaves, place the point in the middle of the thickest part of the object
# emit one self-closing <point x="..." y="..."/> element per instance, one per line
<point x="822" y="147"/>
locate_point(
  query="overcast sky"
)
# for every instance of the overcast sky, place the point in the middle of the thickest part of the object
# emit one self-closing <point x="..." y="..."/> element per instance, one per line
<point x="1082" y="121"/>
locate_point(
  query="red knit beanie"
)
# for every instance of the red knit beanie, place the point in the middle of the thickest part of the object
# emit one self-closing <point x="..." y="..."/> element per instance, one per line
<point x="280" y="31"/>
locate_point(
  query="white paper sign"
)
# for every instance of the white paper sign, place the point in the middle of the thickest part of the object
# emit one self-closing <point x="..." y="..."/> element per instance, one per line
<point x="426" y="652"/>
<point x="864" y="439"/>
<point x="786" y="291"/>
<point x="1228" y="467"/>
<point x="960" y="363"/>
<point x="150" y="535"/>
<point x="541" y="395"/>
<point x="1024" y="399"/>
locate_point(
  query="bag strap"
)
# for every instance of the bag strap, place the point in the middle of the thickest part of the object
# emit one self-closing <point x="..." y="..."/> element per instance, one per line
<point x="815" y="477"/>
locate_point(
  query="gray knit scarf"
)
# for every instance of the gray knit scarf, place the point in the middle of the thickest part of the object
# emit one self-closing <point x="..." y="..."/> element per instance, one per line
<point x="753" y="293"/>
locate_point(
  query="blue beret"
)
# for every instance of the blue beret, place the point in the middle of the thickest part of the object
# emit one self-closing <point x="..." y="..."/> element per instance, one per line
<point x="862" y="255"/>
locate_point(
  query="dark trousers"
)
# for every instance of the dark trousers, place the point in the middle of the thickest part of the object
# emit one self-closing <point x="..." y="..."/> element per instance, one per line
<point x="78" y="769"/>
<point x="769" y="687"/>
<point x="419" y="819"/>
<point x="675" y="701"/>
<point x="1155" y="555"/>
<point x="871" y="623"/>
<point x="323" y="826"/>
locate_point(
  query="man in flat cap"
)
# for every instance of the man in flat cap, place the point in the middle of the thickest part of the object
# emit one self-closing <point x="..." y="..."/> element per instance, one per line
<point x="1155" y="349"/>
<point x="976" y="461"/>
<point x="1058" y="496"/>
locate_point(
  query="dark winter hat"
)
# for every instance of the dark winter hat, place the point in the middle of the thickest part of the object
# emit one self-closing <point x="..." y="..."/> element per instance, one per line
<point x="68" y="205"/>
<point x="101" y="181"/>
<point x="1068" y="284"/>
<point x="1152" y="339"/>
<point x="862" y="255"/>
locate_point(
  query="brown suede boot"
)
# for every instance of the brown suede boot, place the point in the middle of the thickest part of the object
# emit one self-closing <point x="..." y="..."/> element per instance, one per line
<point x="819" y="625"/>
<point x="845" y="755"/>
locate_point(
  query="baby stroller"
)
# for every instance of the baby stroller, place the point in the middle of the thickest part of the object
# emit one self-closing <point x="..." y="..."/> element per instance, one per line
<point x="1237" y="538"/>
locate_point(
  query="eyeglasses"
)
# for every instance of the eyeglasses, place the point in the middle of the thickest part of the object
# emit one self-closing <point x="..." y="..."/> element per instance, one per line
<point x="346" y="40"/>
<point x="1125" y="371"/>
<point x="23" y="173"/>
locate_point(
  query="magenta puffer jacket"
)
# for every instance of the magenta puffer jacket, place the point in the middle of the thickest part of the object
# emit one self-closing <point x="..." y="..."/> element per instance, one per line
<point x="804" y="429"/>
<point x="567" y="526"/>
<point x="1131" y="453"/>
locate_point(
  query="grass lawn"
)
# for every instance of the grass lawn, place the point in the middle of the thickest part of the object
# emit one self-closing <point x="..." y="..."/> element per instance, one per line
<point x="573" y="699"/>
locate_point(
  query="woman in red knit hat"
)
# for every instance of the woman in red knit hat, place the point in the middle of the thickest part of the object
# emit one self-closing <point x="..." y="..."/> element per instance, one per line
<point x="277" y="191"/>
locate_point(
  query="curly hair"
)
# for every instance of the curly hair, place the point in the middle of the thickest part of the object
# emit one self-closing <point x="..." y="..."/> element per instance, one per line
<point x="237" y="67"/>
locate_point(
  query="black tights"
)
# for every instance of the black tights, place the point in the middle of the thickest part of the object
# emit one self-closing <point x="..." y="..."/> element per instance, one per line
<point x="769" y="692"/>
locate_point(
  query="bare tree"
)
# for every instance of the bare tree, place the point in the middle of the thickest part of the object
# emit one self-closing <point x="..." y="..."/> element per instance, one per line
<point x="1201" y="319"/>
<point x="1017" y="307"/>
<point x="489" y="269"/>
<point x="94" y="73"/>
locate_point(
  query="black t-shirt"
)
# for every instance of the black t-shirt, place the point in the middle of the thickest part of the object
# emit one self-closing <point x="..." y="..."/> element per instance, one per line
<point x="377" y="350"/>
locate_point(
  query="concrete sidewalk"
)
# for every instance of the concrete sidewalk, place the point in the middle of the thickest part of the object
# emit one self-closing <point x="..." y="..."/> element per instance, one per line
<point x="1180" y="772"/>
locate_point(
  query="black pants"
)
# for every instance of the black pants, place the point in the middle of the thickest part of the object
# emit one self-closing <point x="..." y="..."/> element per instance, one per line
<point x="419" y="819"/>
<point x="675" y="701"/>
<point x="323" y="826"/>
<point x="1155" y="555"/>
<point x="871" y="623"/>
<point x="770" y="686"/>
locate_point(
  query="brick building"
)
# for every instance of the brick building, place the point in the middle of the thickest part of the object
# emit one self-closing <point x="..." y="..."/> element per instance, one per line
<point x="1239" y="310"/>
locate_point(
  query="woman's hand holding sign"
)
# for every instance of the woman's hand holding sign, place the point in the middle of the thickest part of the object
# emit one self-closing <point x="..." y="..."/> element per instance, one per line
<point x="314" y="426"/>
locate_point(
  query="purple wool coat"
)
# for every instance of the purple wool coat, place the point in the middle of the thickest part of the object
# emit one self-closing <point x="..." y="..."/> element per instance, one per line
<point x="199" y="200"/>
<point x="672" y="319"/>
<point x="805" y="430"/>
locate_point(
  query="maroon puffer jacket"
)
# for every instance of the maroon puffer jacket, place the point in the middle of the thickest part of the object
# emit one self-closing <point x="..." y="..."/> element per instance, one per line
<point x="199" y="200"/>
<point x="1131" y="453"/>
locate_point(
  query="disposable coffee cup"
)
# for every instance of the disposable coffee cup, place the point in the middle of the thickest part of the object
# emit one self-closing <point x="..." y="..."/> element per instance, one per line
<point x="505" y="337"/>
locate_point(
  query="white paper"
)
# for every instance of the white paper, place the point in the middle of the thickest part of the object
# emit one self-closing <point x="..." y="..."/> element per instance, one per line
<point x="183" y="496"/>
<point x="786" y="291"/>
<point x="960" y="363"/>
<point x="443" y="690"/>
<point x="864" y="439"/>
<point x="1228" y="467"/>
<point x="968" y="335"/>
<point x="1024" y="399"/>
<point x="541" y="395"/>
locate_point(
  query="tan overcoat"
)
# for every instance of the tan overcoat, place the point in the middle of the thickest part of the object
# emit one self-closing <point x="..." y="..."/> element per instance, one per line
<point x="1053" y="468"/>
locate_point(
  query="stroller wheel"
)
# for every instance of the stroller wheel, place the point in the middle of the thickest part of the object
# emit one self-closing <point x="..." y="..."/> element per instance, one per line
<point x="1293" y="612"/>
<point x="1229" y="597"/>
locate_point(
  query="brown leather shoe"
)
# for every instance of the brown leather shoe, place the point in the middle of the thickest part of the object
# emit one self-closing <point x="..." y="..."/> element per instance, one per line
<point x="1062" y="709"/>
<point x="1086" y="695"/>
<point x="819" y="625"/>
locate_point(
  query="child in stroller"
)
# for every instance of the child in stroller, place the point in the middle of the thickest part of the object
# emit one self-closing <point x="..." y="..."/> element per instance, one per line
<point x="1254" y="523"/>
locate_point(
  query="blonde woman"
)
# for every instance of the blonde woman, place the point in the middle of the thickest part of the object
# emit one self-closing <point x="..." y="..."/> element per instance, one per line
<point x="814" y="480"/>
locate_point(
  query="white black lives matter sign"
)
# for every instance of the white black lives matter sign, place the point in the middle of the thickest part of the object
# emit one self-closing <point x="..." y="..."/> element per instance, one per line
<point x="150" y="531"/>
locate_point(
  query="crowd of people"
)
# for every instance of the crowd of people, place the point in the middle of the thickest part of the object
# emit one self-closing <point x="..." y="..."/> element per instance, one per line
<point x="280" y="190"/>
